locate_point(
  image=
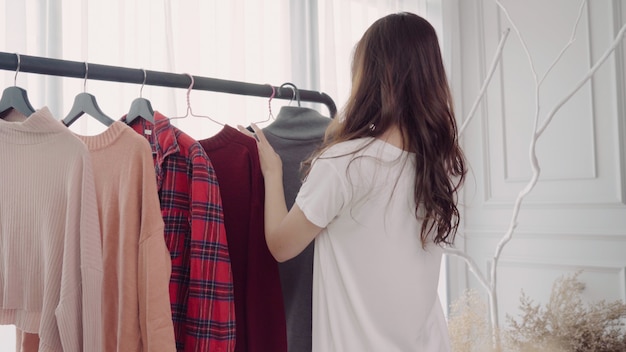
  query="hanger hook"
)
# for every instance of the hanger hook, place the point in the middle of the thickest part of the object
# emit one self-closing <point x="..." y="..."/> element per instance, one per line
<point x="189" y="112"/>
<point x="86" y="74"/>
<point x="17" y="70"/>
<point x="191" y="84"/>
<point x="145" y="76"/>
<point x="294" y="89"/>
<point x="189" y="92"/>
<point x="293" y="94"/>
<point x="269" y="102"/>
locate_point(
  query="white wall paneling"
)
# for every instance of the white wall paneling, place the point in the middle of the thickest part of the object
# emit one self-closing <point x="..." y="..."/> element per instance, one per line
<point x="575" y="216"/>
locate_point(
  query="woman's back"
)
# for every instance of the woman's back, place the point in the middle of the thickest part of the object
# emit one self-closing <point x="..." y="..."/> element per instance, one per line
<point x="379" y="214"/>
<point x="375" y="288"/>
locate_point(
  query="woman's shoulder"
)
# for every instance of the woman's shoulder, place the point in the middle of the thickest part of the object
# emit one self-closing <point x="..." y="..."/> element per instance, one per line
<point x="347" y="148"/>
<point x="366" y="146"/>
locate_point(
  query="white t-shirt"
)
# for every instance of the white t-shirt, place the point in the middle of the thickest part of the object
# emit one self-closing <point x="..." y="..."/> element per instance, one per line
<point x="374" y="287"/>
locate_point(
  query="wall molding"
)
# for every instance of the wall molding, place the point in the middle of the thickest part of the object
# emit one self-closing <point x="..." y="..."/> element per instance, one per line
<point x="585" y="95"/>
<point x="616" y="269"/>
<point x="475" y="233"/>
<point x="619" y="19"/>
<point x="538" y="204"/>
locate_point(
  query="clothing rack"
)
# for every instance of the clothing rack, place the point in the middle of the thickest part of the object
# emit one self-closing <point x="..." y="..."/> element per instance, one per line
<point x="77" y="69"/>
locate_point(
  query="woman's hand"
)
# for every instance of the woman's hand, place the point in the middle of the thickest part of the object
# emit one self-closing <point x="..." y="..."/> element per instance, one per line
<point x="271" y="164"/>
<point x="287" y="233"/>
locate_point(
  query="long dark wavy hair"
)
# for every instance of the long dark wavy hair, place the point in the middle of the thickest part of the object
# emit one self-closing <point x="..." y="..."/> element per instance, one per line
<point x="398" y="79"/>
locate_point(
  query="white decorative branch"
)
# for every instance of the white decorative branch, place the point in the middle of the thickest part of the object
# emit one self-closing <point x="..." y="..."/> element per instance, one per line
<point x="536" y="170"/>
<point x="590" y="73"/>
<point x="490" y="285"/>
<point x="569" y="43"/>
<point x="535" y="176"/>
<point x="483" y="89"/>
<point x="520" y="37"/>
<point x="470" y="263"/>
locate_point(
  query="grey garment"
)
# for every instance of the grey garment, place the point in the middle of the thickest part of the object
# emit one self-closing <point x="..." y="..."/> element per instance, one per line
<point x="294" y="135"/>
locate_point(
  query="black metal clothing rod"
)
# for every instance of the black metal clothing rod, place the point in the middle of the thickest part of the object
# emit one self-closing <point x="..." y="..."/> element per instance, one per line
<point x="76" y="69"/>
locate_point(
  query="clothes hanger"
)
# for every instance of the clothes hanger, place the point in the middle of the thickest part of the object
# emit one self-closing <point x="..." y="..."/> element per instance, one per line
<point x="85" y="103"/>
<point x="269" y="106"/>
<point x="189" y="112"/>
<point x="140" y="107"/>
<point x="296" y="93"/>
<point x="15" y="97"/>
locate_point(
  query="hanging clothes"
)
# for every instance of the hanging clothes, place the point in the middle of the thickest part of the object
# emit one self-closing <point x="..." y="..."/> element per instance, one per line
<point x="294" y="135"/>
<point x="258" y="297"/>
<point x="201" y="284"/>
<point x="50" y="251"/>
<point x="136" y="310"/>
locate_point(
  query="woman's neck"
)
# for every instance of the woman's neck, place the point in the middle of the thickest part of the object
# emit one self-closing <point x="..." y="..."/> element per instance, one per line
<point x="393" y="136"/>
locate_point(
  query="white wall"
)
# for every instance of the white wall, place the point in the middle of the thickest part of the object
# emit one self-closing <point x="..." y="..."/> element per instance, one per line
<point x="575" y="216"/>
<point x="7" y="336"/>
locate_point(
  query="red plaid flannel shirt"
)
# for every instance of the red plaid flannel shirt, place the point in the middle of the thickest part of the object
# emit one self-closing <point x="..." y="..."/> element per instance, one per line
<point x="201" y="285"/>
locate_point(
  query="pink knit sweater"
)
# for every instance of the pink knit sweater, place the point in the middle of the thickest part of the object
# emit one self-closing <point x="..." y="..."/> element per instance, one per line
<point x="137" y="266"/>
<point x="50" y="249"/>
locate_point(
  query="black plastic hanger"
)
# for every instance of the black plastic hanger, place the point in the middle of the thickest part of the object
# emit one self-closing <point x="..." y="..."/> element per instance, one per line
<point x="296" y="93"/>
<point x="15" y="97"/>
<point x="140" y="107"/>
<point x="85" y="103"/>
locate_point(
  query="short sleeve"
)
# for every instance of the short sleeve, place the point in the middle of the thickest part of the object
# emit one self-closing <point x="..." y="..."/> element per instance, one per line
<point x="323" y="193"/>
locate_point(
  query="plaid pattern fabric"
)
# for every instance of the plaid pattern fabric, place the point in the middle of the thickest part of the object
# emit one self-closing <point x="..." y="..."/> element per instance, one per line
<point x="201" y="285"/>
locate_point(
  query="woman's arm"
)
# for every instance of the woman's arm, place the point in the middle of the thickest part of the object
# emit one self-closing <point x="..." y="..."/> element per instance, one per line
<point x="287" y="233"/>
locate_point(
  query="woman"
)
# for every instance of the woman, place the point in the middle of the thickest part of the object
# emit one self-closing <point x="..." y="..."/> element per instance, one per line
<point x="379" y="198"/>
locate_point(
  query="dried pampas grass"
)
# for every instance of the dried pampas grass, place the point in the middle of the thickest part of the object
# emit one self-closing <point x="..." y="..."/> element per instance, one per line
<point x="564" y="324"/>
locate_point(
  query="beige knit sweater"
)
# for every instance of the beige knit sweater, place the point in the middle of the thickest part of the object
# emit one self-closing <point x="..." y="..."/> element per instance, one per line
<point x="137" y="265"/>
<point x="50" y="249"/>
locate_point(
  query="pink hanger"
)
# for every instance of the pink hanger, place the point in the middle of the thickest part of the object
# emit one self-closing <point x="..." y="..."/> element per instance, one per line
<point x="269" y="105"/>
<point x="189" y="112"/>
